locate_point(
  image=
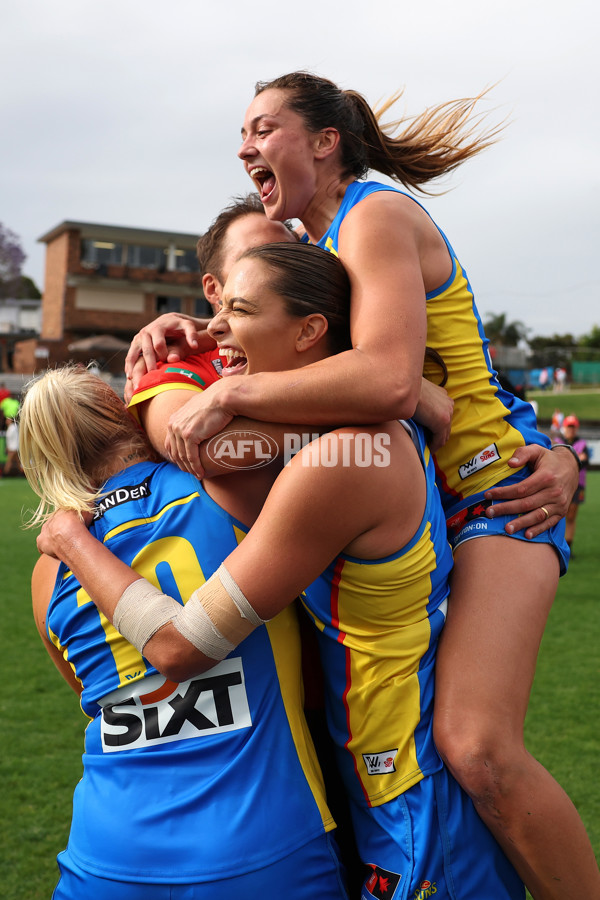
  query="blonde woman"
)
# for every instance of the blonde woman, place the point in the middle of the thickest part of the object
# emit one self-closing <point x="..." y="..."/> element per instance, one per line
<point x="194" y="787"/>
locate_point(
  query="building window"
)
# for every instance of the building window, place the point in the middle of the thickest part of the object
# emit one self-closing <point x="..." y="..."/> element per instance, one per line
<point x="186" y="261"/>
<point x="101" y="253"/>
<point x="146" y="257"/>
<point x="168" y="304"/>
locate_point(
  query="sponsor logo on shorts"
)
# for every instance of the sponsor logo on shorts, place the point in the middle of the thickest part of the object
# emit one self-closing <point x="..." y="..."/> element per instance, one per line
<point x="425" y="889"/>
<point x="484" y="458"/>
<point x="380" y="763"/>
<point x="382" y="884"/>
<point x="214" y="703"/>
<point x="122" y="495"/>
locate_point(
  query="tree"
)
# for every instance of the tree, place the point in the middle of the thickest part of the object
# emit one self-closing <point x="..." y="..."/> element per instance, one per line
<point x="11" y="261"/>
<point x="28" y="289"/>
<point x="553" y="351"/>
<point x="592" y="339"/>
<point x="503" y="333"/>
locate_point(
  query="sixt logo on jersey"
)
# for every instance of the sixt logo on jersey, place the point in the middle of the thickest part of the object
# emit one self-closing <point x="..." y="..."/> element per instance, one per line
<point x="214" y="703"/>
<point x="482" y="459"/>
<point x="382" y="884"/>
<point x="122" y="495"/>
<point x="380" y="763"/>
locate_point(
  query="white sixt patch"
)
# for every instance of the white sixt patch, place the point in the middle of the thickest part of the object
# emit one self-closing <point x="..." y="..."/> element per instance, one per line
<point x="380" y="763"/>
<point x="212" y="703"/>
<point x="482" y="459"/>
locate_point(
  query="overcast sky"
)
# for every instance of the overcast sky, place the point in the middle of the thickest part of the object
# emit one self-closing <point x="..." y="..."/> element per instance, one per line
<point x="128" y="112"/>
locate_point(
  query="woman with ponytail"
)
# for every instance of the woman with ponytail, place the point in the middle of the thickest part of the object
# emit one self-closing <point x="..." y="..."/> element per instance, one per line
<point x="307" y="145"/>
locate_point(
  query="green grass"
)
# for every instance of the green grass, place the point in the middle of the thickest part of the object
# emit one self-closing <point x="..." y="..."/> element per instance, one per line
<point x="581" y="402"/>
<point x="562" y="723"/>
<point x="41" y="725"/>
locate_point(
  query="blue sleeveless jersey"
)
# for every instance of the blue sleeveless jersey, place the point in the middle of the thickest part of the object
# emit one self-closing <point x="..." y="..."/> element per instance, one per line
<point x="217" y="773"/>
<point x="378" y="624"/>
<point x="489" y="423"/>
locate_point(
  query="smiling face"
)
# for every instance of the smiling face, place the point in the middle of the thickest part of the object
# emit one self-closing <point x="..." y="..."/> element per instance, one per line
<point x="278" y="152"/>
<point x="253" y="330"/>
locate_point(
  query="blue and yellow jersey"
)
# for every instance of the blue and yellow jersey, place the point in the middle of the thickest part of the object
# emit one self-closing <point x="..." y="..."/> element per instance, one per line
<point x="378" y="623"/>
<point x="194" y="373"/>
<point x="488" y="423"/>
<point x="218" y="772"/>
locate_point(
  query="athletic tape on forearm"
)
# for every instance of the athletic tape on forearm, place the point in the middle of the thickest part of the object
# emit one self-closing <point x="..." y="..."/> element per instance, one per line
<point x="141" y="611"/>
<point x="233" y="589"/>
<point x="218" y="616"/>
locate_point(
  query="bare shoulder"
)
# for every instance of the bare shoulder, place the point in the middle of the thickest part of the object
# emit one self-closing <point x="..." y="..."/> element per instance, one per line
<point x="383" y="208"/>
<point x="395" y="231"/>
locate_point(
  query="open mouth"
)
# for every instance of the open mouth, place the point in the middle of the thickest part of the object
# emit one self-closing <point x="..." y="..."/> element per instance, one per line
<point x="264" y="180"/>
<point x="234" y="361"/>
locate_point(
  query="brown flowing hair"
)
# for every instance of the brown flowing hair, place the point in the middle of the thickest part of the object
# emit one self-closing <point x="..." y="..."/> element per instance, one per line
<point x="426" y="146"/>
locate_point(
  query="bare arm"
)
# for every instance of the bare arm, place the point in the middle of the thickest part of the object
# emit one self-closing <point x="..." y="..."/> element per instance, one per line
<point x="434" y="412"/>
<point x="242" y="444"/>
<point x="104" y="577"/>
<point x="377" y="380"/>
<point x="42" y="585"/>
<point x="311" y="514"/>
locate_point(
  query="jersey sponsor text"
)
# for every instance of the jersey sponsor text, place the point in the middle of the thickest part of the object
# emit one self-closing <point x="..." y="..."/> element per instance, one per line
<point x="213" y="703"/>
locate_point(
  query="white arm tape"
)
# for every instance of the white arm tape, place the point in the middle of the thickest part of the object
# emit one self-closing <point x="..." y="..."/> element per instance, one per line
<point x="233" y="589"/>
<point x="217" y="617"/>
<point x="198" y="628"/>
<point x="141" y="611"/>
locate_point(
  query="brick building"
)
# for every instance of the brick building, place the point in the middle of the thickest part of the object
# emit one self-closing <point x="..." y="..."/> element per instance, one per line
<point x="107" y="279"/>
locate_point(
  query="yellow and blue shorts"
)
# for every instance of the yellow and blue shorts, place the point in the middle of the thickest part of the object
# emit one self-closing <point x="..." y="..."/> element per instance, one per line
<point x="467" y="519"/>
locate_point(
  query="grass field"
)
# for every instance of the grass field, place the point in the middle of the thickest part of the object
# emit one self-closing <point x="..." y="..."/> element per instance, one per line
<point x="41" y="725"/>
<point x="581" y="402"/>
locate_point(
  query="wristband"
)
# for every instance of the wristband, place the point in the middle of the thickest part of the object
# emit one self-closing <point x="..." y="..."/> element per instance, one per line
<point x="571" y="451"/>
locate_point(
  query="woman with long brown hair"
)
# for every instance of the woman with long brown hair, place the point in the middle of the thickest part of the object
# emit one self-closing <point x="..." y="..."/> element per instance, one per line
<point x="307" y="145"/>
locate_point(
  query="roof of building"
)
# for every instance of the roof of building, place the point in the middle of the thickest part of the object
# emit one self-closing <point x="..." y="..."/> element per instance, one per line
<point x="91" y="230"/>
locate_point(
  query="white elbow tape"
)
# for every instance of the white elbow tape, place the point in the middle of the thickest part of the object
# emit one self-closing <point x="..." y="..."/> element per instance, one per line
<point x="217" y="617"/>
<point x="141" y="611"/>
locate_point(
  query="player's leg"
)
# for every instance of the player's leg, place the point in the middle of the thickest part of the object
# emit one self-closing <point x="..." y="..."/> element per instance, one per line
<point x="501" y="593"/>
<point x="570" y="523"/>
